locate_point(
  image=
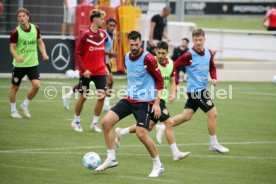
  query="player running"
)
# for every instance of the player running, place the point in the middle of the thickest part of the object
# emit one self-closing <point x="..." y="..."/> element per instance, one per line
<point x="23" y="47"/>
<point x="141" y="99"/>
<point x="199" y="61"/>
<point x="167" y="70"/>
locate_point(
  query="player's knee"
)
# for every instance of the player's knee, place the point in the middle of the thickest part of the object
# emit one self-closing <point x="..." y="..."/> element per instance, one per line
<point x="141" y="134"/>
<point x="169" y="124"/>
<point x="105" y="123"/>
<point x="36" y="85"/>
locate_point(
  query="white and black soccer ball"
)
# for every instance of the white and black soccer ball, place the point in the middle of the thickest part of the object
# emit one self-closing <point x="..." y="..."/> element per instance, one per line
<point x="91" y="160"/>
<point x="70" y="74"/>
<point x="274" y="79"/>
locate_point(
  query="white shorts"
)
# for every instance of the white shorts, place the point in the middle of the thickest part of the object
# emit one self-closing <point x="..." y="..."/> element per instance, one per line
<point x="69" y="15"/>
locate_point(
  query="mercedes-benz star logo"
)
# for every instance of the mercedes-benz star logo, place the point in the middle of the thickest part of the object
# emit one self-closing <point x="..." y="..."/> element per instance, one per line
<point x="60" y="56"/>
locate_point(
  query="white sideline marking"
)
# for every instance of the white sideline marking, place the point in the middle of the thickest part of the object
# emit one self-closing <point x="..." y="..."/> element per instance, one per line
<point x="261" y="94"/>
<point x="226" y="156"/>
<point x="22" y="167"/>
<point x="142" y="178"/>
<point x="137" y="145"/>
<point x="58" y="83"/>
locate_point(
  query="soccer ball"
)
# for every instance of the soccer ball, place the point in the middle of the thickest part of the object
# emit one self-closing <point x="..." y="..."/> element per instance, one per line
<point x="91" y="160"/>
<point x="274" y="79"/>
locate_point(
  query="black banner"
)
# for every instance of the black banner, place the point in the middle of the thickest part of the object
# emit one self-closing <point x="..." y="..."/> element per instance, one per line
<point x="226" y="8"/>
<point x="60" y="52"/>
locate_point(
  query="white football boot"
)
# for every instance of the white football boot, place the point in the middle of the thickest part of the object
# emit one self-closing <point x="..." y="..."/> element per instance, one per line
<point x="95" y="127"/>
<point x="76" y="126"/>
<point x="160" y="132"/>
<point x="66" y="102"/>
<point x="16" y="115"/>
<point x="156" y="171"/>
<point x="25" y="110"/>
<point x="117" y="137"/>
<point x="107" y="164"/>
<point x="181" y="155"/>
<point x="219" y="148"/>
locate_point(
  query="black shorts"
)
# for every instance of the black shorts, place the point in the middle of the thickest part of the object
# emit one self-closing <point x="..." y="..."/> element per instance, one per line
<point x="164" y="113"/>
<point x="19" y="72"/>
<point x="200" y="99"/>
<point x="140" y="110"/>
<point x="99" y="81"/>
<point x="108" y="67"/>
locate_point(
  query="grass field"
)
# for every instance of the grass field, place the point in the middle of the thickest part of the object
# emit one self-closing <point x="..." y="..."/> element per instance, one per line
<point x="44" y="149"/>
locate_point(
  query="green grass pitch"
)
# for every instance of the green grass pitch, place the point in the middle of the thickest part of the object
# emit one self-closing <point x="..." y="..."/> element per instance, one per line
<point x="44" y="149"/>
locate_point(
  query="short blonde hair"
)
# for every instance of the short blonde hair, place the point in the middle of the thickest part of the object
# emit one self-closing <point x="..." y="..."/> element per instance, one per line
<point x="19" y="10"/>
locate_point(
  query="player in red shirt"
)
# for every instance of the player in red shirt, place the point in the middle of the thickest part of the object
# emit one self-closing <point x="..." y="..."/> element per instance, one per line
<point x="271" y="17"/>
<point x="90" y="58"/>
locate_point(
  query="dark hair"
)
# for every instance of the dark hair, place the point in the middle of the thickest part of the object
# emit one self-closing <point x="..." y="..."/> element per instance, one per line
<point x="134" y="35"/>
<point x="186" y="39"/>
<point x="162" y="45"/>
<point x="96" y="14"/>
<point x="198" y="32"/>
<point x="167" y="9"/>
<point x="22" y="10"/>
<point x="111" y="20"/>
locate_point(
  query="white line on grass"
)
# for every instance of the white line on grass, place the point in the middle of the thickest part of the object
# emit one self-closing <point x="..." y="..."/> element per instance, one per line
<point x="137" y="145"/>
<point x="223" y="156"/>
<point x="260" y="94"/>
<point x="22" y="167"/>
<point x="142" y="178"/>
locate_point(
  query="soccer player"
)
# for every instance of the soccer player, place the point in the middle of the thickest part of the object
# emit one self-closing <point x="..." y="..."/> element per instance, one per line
<point x="199" y="61"/>
<point x="24" y="40"/>
<point x="110" y="28"/>
<point x="167" y="70"/>
<point x="141" y="99"/>
<point x="90" y="58"/>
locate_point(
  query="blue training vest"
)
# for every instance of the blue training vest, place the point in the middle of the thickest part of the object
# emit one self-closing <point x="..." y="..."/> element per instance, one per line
<point x="198" y="71"/>
<point x="108" y="45"/>
<point x="140" y="84"/>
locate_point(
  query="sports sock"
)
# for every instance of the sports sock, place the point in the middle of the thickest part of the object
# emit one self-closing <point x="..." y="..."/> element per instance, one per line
<point x="13" y="107"/>
<point x="69" y="94"/>
<point x="95" y="120"/>
<point x="26" y="102"/>
<point x="213" y="139"/>
<point x="124" y="131"/>
<point x="156" y="161"/>
<point x="107" y="101"/>
<point x="76" y="118"/>
<point x="174" y="149"/>
<point x="111" y="154"/>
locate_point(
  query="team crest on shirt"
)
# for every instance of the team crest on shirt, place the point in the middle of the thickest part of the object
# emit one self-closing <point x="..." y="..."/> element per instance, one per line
<point x="15" y="79"/>
<point x="209" y="102"/>
<point x="102" y="35"/>
<point x="165" y="111"/>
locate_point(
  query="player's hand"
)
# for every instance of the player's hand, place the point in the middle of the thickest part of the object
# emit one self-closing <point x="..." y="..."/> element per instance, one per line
<point x="151" y="42"/>
<point x="45" y="57"/>
<point x="19" y="59"/>
<point x="214" y="82"/>
<point x="107" y="71"/>
<point x="87" y="73"/>
<point x="172" y="98"/>
<point x="113" y="54"/>
<point x="156" y="110"/>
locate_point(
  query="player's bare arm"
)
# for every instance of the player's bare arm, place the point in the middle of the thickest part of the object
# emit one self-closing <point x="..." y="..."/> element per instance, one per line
<point x="19" y="59"/>
<point x="42" y="49"/>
